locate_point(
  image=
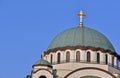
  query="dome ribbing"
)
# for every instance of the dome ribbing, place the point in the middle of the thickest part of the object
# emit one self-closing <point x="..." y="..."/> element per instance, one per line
<point x="81" y="36"/>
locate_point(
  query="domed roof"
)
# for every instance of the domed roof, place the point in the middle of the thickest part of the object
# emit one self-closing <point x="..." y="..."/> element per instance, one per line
<point x="44" y="62"/>
<point x="81" y="36"/>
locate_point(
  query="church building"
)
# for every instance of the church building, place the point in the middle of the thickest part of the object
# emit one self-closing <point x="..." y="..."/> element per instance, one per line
<point x="78" y="52"/>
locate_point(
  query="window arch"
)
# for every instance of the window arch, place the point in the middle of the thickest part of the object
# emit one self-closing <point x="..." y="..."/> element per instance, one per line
<point x="98" y="57"/>
<point x="106" y="59"/>
<point x="88" y="56"/>
<point x="51" y="58"/>
<point x="42" y="77"/>
<point x="67" y="56"/>
<point x="77" y="56"/>
<point x="58" y="58"/>
<point x="112" y="60"/>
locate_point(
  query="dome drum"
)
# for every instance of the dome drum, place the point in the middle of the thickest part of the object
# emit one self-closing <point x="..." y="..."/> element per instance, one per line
<point x="68" y="55"/>
<point x="82" y="48"/>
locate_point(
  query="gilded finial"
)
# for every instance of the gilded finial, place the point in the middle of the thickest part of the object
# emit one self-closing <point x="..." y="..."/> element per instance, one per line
<point x="81" y="15"/>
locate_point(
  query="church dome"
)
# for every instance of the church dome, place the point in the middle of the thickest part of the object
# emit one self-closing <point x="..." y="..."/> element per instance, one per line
<point x="42" y="62"/>
<point x="81" y="36"/>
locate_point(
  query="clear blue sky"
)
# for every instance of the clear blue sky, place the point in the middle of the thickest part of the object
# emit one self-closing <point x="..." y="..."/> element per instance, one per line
<point x="28" y="26"/>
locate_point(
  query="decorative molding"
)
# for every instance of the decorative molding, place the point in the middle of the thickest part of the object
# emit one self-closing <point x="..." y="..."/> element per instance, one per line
<point x="90" y="68"/>
<point x="42" y="69"/>
<point x="82" y="48"/>
<point x="42" y="65"/>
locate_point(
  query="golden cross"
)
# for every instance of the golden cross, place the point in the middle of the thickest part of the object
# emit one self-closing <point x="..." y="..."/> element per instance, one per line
<point x="81" y="15"/>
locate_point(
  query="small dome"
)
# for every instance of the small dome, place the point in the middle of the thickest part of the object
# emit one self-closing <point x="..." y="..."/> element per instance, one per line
<point x="43" y="62"/>
<point x="81" y="36"/>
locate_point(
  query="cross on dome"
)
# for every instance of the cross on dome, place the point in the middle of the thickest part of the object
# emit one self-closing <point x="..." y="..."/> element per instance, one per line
<point x="81" y="15"/>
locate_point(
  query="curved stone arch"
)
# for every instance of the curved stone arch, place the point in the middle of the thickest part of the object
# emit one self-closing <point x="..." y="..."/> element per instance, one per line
<point x="58" y="52"/>
<point x="88" y="56"/>
<point x="67" y="56"/>
<point x="98" y="57"/>
<point x="42" y="69"/>
<point x="42" y="76"/>
<point x="65" y="52"/>
<point x="52" y="53"/>
<point x="98" y="52"/>
<point x="58" y="57"/>
<point x="78" y="55"/>
<point x="82" y="55"/>
<point x="77" y="51"/>
<point x="87" y="52"/>
<point x="42" y="72"/>
<point x="90" y="68"/>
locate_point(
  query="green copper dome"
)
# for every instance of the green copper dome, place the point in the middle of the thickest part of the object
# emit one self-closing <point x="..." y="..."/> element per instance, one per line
<point x="44" y="62"/>
<point x="81" y="36"/>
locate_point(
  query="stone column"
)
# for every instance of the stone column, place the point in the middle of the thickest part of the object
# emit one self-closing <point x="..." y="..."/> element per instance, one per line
<point x="110" y="59"/>
<point x="83" y="56"/>
<point x="72" y="55"/>
<point x="102" y="58"/>
<point x="93" y="56"/>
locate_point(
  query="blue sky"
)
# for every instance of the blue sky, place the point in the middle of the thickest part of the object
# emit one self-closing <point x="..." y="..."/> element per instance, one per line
<point x="28" y="26"/>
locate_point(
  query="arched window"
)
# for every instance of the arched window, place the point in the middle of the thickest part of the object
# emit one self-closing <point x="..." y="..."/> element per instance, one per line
<point x="42" y="77"/>
<point x="77" y="56"/>
<point x="88" y="56"/>
<point x="68" y="57"/>
<point x="51" y="59"/>
<point x="58" y="58"/>
<point x="106" y="59"/>
<point x="98" y="57"/>
<point x="112" y="60"/>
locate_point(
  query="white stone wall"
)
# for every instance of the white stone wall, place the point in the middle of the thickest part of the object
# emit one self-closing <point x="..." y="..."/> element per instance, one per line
<point x="115" y="61"/>
<point x="109" y="59"/>
<point x="93" y="56"/>
<point x="102" y="57"/>
<point x="113" y="70"/>
<point x="65" y="68"/>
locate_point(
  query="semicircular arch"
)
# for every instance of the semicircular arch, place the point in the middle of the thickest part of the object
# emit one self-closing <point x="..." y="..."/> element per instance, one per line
<point x="90" y="68"/>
